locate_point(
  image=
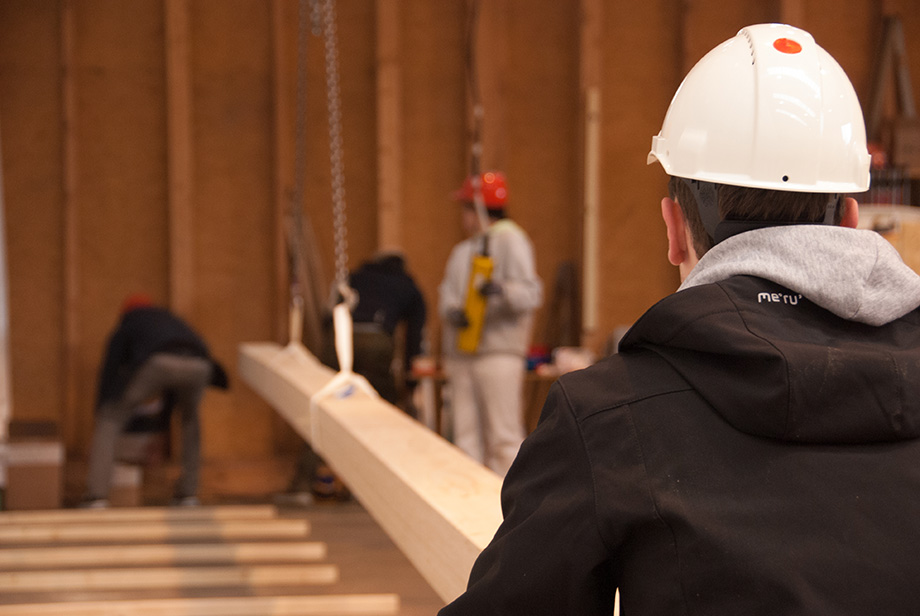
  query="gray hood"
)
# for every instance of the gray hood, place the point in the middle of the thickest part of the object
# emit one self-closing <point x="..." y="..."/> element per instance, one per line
<point x="806" y="334"/>
<point x="854" y="273"/>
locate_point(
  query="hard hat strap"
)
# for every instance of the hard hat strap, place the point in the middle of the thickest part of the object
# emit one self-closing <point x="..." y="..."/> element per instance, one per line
<point x="728" y="228"/>
<point x="706" y="195"/>
<point x="830" y="213"/>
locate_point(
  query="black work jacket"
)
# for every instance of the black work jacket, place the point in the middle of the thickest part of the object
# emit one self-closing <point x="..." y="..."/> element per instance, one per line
<point x="746" y="453"/>
<point x="141" y="333"/>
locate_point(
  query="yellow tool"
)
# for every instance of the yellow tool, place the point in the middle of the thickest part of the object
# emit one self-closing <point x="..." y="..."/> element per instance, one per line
<point x="480" y="273"/>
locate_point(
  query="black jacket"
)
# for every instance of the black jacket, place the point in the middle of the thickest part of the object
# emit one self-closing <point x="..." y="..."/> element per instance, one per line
<point x="746" y="453"/>
<point x="141" y="333"/>
<point x="388" y="295"/>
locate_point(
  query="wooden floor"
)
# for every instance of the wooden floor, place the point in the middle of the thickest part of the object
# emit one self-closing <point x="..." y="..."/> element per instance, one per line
<point x="367" y="564"/>
<point x="369" y="561"/>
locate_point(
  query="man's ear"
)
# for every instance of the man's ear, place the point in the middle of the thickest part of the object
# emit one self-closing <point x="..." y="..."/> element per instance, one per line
<point x="850" y="217"/>
<point x="677" y="235"/>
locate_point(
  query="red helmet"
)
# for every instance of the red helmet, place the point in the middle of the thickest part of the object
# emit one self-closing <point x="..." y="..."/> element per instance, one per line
<point x="135" y="300"/>
<point x="494" y="190"/>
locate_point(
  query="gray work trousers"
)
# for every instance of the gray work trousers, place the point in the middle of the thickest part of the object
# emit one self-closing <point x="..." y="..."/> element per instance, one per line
<point x="186" y="377"/>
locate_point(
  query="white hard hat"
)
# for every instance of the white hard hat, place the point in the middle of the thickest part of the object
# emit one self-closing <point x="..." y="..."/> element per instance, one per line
<point x="770" y="109"/>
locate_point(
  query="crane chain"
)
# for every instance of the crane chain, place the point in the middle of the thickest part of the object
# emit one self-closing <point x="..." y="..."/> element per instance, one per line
<point x="323" y="14"/>
<point x="300" y="155"/>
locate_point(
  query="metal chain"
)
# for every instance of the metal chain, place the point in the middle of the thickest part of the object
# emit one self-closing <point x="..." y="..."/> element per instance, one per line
<point x="472" y="76"/>
<point x="316" y="16"/>
<point x="300" y="153"/>
<point x="336" y="154"/>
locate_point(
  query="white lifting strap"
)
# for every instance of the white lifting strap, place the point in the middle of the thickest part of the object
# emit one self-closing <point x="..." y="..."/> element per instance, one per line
<point x="346" y="382"/>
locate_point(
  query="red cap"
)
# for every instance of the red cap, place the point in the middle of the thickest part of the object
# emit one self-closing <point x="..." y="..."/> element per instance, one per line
<point x="494" y="190"/>
<point x="136" y="300"/>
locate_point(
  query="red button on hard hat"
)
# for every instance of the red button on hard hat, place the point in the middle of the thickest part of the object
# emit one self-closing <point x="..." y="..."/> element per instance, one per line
<point x="787" y="45"/>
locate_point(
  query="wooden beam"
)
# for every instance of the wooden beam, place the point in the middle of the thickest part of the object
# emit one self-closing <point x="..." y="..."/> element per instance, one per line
<point x="154" y="531"/>
<point x="161" y="554"/>
<point x="139" y="514"/>
<point x="437" y="505"/>
<point x="173" y="578"/>
<point x="319" y="605"/>
<point x="179" y="155"/>
<point x="389" y="126"/>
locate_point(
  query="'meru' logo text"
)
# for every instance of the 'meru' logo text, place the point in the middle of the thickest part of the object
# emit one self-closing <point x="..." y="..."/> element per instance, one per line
<point x="778" y="298"/>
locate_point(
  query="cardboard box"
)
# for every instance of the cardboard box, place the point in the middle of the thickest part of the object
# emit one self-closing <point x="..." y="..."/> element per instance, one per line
<point x="34" y="475"/>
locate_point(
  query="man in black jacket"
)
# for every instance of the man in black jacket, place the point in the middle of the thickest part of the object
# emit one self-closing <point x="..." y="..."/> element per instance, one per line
<point x="753" y="447"/>
<point x="151" y="355"/>
<point x="387" y="297"/>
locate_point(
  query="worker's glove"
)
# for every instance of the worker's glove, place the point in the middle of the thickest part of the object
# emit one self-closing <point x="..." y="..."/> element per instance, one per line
<point x="457" y="318"/>
<point x="490" y="287"/>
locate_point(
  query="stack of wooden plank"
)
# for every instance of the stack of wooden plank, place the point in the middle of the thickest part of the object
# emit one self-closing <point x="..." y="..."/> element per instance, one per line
<point x="225" y="560"/>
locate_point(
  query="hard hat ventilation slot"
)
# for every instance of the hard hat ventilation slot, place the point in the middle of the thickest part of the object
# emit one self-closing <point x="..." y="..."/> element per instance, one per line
<point x="750" y="43"/>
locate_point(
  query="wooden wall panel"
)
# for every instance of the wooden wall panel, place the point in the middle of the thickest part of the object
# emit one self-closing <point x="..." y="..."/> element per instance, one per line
<point x="640" y="70"/>
<point x="435" y="147"/>
<point x="30" y="112"/>
<point x="851" y="36"/>
<point x="234" y="222"/>
<point x="540" y="88"/>
<point x="389" y="125"/>
<point x="119" y="132"/>
<point x="907" y="9"/>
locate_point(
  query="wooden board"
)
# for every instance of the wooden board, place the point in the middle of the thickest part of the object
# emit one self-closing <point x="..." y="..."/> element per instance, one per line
<point x="33" y="557"/>
<point x="140" y="514"/>
<point x="437" y="505"/>
<point x="324" y="605"/>
<point x="154" y="531"/>
<point x="173" y="578"/>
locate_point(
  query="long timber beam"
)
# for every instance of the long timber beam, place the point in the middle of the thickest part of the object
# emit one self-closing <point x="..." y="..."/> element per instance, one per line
<point x="437" y="505"/>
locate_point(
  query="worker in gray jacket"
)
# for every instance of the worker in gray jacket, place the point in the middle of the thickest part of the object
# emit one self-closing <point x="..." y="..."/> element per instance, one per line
<point x="485" y="350"/>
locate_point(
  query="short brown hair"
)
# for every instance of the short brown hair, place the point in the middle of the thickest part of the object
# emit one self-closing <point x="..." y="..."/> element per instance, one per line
<point x="749" y="204"/>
